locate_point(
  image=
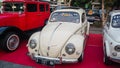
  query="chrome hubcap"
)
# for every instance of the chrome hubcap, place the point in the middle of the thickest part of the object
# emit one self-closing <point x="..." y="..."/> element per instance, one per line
<point x="13" y="42"/>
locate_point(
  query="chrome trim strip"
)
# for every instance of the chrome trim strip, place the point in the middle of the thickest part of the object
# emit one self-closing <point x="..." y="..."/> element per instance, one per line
<point x="69" y="60"/>
<point x="115" y="59"/>
<point x="52" y="37"/>
<point x="55" y="30"/>
<point x="41" y="57"/>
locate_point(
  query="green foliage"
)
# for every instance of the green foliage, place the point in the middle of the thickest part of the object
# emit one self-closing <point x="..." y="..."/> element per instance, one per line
<point x="108" y="3"/>
<point x="79" y="3"/>
<point x="0" y="4"/>
<point x="111" y="3"/>
<point x="76" y="4"/>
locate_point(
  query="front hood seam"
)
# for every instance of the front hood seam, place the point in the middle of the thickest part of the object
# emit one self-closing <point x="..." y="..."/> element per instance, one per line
<point x="52" y="37"/>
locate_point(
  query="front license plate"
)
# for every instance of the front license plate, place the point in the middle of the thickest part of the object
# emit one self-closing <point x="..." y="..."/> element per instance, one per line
<point x="44" y="62"/>
<point x="47" y="62"/>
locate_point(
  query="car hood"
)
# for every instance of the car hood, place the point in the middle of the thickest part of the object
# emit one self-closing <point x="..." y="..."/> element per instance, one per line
<point x="115" y="35"/>
<point x="54" y="36"/>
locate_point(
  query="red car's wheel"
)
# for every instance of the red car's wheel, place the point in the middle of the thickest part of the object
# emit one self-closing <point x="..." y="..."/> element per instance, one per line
<point x="11" y="41"/>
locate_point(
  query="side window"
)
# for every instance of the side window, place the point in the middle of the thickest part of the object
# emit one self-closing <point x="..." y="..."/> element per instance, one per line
<point x="47" y="7"/>
<point x="32" y="7"/>
<point x="42" y="7"/>
<point x="83" y="18"/>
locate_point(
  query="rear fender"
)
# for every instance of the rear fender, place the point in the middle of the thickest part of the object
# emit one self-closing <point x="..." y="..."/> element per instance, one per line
<point x="2" y="30"/>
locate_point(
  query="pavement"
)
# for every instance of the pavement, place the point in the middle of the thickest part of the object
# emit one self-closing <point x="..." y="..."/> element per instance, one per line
<point x="95" y="30"/>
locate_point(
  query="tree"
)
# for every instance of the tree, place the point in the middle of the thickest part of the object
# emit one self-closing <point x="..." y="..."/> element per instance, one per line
<point x="79" y="3"/>
<point x="70" y="2"/>
<point x="103" y="15"/>
<point x="109" y="5"/>
<point x="67" y="2"/>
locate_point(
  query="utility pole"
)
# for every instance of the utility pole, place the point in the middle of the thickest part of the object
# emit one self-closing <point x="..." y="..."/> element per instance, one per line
<point x="69" y="2"/>
<point x="103" y="15"/>
<point x="65" y="2"/>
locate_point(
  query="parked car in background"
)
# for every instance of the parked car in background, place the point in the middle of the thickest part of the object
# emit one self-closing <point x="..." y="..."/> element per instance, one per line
<point x="93" y="15"/>
<point x="62" y="40"/>
<point x="111" y="38"/>
<point x="19" y="17"/>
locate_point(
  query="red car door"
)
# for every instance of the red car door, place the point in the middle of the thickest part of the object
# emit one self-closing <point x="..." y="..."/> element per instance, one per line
<point x="44" y="13"/>
<point x="32" y="16"/>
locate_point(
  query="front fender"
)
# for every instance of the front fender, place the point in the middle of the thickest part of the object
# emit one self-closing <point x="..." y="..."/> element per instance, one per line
<point x="107" y="48"/>
<point x="78" y="42"/>
<point x="36" y="37"/>
<point x="3" y="29"/>
<point x="88" y="28"/>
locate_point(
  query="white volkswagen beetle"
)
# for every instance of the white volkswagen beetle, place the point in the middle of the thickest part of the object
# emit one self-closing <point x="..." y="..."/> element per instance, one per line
<point x="62" y="39"/>
<point x="111" y="38"/>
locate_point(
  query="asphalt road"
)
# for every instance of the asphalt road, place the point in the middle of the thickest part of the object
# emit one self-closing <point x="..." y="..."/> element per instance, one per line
<point x="95" y="30"/>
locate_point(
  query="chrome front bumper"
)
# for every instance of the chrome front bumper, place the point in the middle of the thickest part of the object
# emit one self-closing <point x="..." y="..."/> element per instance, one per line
<point x="51" y="61"/>
<point x="115" y="59"/>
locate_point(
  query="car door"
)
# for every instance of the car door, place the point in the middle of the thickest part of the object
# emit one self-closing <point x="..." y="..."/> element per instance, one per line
<point x="32" y="15"/>
<point x="41" y="14"/>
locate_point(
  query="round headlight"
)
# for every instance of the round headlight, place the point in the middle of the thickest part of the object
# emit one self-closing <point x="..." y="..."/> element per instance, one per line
<point x="32" y="44"/>
<point x="70" y="48"/>
<point x="117" y="48"/>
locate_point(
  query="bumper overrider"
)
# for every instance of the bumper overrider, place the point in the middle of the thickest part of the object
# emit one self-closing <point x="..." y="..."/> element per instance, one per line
<point x="51" y="61"/>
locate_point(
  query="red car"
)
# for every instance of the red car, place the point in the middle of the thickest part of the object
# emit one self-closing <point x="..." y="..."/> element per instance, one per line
<point x="18" y="17"/>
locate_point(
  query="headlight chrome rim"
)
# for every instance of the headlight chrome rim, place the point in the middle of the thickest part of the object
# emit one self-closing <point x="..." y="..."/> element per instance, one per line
<point x="70" y="48"/>
<point x="32" y="43"/>
<point x="117" y="48"/>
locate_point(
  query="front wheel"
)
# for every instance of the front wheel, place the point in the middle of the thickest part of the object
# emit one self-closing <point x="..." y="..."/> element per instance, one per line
<point x="46" y="22"/>
<point x="106" y="59"/>
<point x="81" y="57"/>
<point x="11" y="41"/>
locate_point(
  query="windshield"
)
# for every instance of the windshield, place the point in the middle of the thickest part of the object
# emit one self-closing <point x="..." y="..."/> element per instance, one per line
<point x="116" y="21"/>
<point x="13" y="6"/>
<point x="72" y="17"/>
